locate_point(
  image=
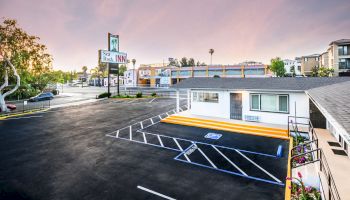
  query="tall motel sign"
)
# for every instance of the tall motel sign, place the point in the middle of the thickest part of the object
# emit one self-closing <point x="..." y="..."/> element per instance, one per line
<point x="113" y="57"/>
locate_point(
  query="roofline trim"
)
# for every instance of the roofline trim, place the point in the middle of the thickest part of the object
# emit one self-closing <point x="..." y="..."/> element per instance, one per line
<point x="228" y="89"/>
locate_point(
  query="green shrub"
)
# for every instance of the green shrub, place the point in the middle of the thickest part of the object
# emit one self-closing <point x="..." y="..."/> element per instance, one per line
<point x="104" y="95"/>
<point x="154" y="94"/>
<point x="139" y="95"/>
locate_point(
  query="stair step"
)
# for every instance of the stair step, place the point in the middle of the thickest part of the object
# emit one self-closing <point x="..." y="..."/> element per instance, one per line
<point x="239" y="130"/>
<point x="229" y="125"/>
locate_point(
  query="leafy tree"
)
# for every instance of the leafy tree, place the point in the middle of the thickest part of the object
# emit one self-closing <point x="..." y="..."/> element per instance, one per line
<point x="122" y="69"/>
<point x="174" y="62"/>
<point x="314" y="71"/>
<point x="28" y="56"/>
<point x="277" y="67"/>
<point x="191" y="62"/>
<point x="184" y="62"/>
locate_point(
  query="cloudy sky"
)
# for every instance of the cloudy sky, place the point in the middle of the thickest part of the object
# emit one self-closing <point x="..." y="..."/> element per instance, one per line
<point x="154" y="30"/>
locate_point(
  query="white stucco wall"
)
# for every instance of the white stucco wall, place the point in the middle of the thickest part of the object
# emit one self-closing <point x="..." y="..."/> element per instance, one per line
<point x="302" y="108"/>
<point x="222" y="109"/>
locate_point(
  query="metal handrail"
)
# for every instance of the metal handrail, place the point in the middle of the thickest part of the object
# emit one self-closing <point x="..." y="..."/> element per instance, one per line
<point x="332" y="189"/>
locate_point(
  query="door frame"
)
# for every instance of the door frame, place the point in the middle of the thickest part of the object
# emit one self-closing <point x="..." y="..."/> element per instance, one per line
<point x="232" y="113"/>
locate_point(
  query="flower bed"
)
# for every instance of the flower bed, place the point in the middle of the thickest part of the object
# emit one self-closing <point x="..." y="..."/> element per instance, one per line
<point x="302" y="192"/>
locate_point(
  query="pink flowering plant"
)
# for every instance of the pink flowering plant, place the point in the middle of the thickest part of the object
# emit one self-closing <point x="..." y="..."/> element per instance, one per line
<point x="302" y="192"/>
<point x="303" y="158"/>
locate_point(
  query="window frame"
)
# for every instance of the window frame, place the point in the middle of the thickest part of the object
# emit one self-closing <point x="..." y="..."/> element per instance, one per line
<point x="277" y="96"/>
<point x="196" y="96"/>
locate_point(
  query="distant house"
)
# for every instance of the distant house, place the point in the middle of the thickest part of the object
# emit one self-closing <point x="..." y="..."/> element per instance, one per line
<point x="292" y="65"/>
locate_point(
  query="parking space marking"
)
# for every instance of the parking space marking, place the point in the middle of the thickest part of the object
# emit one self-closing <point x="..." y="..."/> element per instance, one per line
<point x="155" y="193"/>
<point x="141" y="124"/>
<point x="233" y="164"/>
<point x="117" y="135"/>
<point x="206" y="157"/>
<point x="144" y="138"/>
<point x="258" y="166"/>
<point x="160" y="117"/>
<point x="179" y="146"/>
<point x="160" y="141"/>
<point x="152" y="120"/>
<point x="130" y="133"/>
<point x="132" y="101"/>
<point x="152" y="100"/>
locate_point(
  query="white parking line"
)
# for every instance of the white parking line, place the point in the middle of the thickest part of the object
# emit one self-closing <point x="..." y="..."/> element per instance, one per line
<point x="117" y="135"/>
<point x="152" y="100"/>
<point x="160" y="141"/>
<point x="178" y="145"/>
<point x="151" y="120"/>
<point x="258" y="166"/>
<point x="167" y="114"/>
<point x="233" y="164"/>
<point x="160" y="117"/>
<point x="206" y="157"/>
<point x="132" y="101"/>
<point x="130" y="133"/>
<point x="144" y="137"/>
<point x="141" y="124"/>
<point x="155" y="193"/>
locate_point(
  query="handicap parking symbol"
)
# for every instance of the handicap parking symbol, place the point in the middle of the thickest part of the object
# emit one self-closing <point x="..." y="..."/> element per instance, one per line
<point x="213" y="136"/>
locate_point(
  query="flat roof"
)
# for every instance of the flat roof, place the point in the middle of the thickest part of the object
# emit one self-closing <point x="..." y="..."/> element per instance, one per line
<point x="275" y="83"/>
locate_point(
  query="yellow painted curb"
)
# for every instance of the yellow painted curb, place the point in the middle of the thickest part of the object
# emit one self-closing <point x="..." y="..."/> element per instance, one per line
<point x="288" y="193"/>
<point x="24" y="113"/>
<point x="229" y="123"/>
<point x="201" y="125"/>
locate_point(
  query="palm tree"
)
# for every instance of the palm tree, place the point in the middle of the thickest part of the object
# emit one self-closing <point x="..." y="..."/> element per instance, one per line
<point x="211" y="51"/>
<point x="133" y="63"/>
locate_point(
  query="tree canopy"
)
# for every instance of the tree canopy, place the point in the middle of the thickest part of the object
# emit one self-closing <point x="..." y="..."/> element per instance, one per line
<point x="30" y="58"/>
<point x="277" y="67"/>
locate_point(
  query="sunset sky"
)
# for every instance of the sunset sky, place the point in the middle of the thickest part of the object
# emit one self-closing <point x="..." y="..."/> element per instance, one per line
<point x="154" y="30"/>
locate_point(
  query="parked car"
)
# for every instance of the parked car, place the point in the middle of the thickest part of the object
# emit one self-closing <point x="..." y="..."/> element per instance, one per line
<point x="10" y="106"/>
<point x="42" y="97"/>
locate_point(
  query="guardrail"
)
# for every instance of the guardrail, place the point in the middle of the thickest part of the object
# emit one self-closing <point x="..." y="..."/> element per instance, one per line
<point x="26" y="106"/>
<point x="329" y="189"/>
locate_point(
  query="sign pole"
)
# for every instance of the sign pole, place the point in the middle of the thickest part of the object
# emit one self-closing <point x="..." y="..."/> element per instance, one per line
<point x="118" y="71"/>
<point x="109" y="48"/>
<point x="108" y="80"/>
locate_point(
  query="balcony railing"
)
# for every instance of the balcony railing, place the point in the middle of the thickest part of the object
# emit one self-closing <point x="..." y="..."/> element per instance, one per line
<point x="329" y="188"/>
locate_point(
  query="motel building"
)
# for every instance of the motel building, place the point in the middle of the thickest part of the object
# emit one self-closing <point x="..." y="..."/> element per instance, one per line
<point x="314" y="108"/>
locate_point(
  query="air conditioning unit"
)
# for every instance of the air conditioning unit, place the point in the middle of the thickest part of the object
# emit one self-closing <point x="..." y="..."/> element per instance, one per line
<point x="251" y="118"/>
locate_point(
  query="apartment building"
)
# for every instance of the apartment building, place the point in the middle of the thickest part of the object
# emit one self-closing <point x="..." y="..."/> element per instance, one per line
<point x="308" y="63"/>
<point x="339" y="57"/>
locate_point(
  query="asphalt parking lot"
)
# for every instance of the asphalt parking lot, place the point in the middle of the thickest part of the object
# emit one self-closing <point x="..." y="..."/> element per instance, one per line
<point x="65" y="154"/>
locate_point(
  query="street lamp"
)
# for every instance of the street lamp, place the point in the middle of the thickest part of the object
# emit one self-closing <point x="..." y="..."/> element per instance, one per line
<point x="134" y="75"/>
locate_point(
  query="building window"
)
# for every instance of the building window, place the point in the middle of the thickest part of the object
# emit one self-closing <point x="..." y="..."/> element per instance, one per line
<point x="317" y="58"/>
<point x="205" y="97"/>
<point x="269" y="102"/>
<point x="305" y="59"/>
<point x="343" y="50"/>
<point x="255" y="102"/>
<point x="299" y="68"/>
